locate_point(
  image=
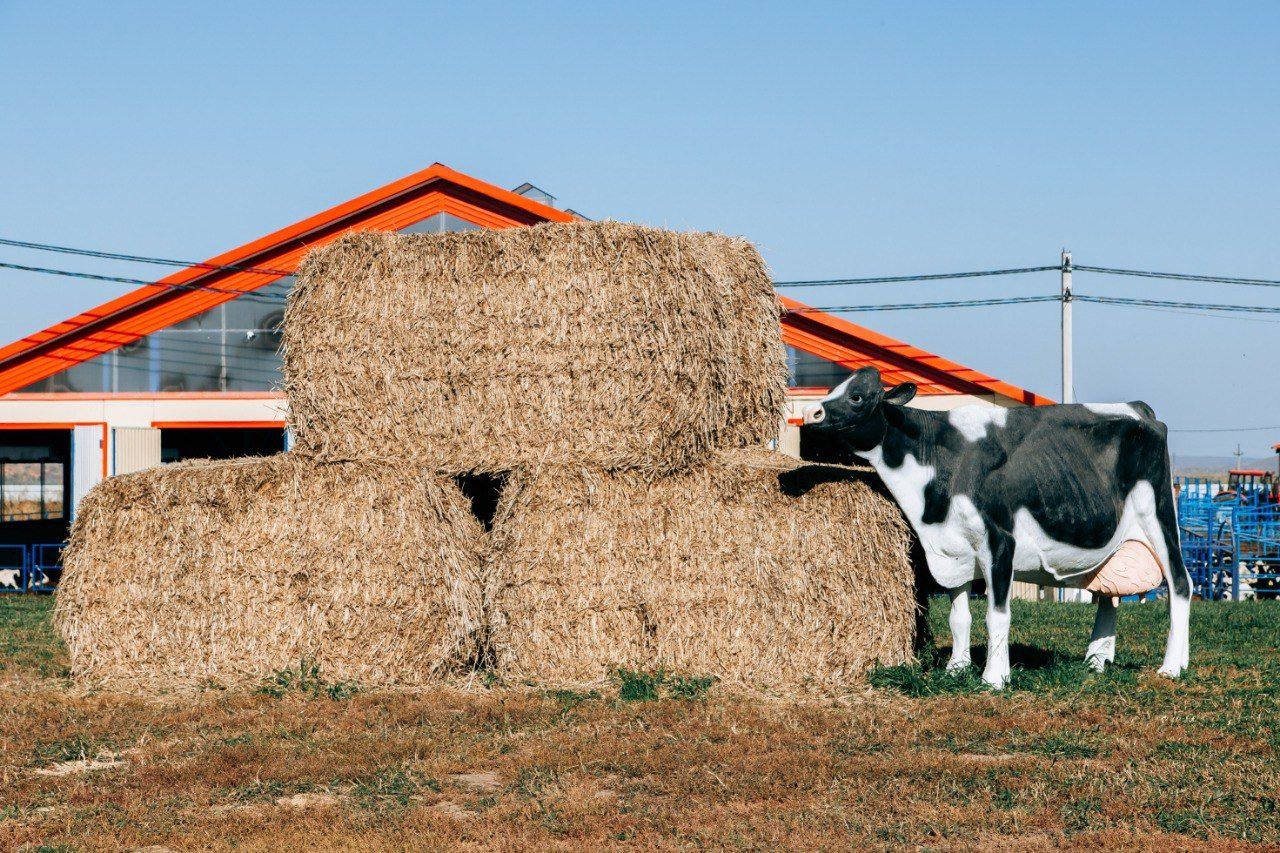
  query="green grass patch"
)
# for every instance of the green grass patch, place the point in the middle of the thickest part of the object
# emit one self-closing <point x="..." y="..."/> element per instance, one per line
<point x="638" y="686"/>
<point x="306" y="680"/>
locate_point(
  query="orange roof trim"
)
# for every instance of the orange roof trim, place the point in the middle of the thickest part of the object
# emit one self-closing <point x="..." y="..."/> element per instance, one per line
<point x="854" y="346"/>
<point x="436" y="189"/>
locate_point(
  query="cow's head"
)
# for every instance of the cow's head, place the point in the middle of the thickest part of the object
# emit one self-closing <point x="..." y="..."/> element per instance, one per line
<point x="857" y="404"/>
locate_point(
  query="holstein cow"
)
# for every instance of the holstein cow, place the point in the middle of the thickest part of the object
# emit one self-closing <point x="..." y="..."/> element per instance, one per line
<point x="1043" y="494"/>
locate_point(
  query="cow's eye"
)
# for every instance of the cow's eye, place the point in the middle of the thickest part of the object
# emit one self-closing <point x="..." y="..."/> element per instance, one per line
<point x="855" y="398"/>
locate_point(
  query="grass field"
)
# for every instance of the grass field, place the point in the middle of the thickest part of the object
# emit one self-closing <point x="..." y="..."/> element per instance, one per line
<point x="1064" y="758"/>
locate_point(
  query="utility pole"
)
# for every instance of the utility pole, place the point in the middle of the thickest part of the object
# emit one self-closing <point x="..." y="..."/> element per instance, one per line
<point x="1068" y="390"/>
<point x="1068" y="382"/>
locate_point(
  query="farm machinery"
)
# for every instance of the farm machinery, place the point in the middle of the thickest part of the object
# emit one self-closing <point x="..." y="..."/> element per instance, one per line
<point x="1230" y="534"/>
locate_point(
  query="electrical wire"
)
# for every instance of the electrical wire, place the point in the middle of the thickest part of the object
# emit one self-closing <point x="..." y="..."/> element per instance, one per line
<point x="244" y="294"/>
<point x="1168" y="303"/>
<point x="1232" y="429"/>
<point x="894" y="279"/>
<point x="1178" y="276"/>
<point x="918" y="306"/>
<point x="141" y="259"/>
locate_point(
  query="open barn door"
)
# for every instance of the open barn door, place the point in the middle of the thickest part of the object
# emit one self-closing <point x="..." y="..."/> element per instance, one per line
<point x="87" y="461"/>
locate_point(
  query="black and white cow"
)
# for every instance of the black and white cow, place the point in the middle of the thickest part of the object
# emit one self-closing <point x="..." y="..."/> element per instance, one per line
<point x="1043" y="494"/>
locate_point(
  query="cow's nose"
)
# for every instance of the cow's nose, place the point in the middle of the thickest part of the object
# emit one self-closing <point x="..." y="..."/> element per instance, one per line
<point x="814" y="414"/>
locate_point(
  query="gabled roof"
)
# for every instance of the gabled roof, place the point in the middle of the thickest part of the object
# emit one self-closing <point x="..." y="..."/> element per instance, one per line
<point x="437" y="189"/>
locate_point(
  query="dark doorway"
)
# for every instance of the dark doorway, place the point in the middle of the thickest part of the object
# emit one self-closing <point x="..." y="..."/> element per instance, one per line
<point x="219" y="443"/>
<point x="35" y="485"/>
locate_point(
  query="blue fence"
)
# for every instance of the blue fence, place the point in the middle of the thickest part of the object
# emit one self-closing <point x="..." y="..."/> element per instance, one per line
<point x="1230" y="540"/>
<point x="30" y="568"/>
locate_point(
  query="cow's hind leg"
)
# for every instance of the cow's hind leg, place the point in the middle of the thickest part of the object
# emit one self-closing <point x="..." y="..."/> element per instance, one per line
<point x="999" y="583"/>
<point x="960" y="620"/>
<point x="1102" y="645"/>
<point x="1162" y="530"/>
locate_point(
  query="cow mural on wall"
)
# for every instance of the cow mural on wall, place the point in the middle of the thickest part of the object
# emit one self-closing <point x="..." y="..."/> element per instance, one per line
<point x="1055" y="495"/>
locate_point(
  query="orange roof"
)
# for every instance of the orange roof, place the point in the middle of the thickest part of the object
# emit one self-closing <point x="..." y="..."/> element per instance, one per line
<point x="393" y="207"/>
<point x="854" y="346"/>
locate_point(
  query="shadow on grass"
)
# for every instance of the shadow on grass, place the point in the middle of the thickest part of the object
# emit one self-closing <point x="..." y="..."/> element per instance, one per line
<point x="1034" y="669"/>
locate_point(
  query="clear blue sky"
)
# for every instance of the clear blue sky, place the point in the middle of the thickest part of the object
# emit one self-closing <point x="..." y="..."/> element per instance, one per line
<point x="844" y="140"/>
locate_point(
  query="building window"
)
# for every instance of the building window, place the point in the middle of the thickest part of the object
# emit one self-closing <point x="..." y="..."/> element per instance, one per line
<point x="31" y="491"/>
<point x="809" y="371"/>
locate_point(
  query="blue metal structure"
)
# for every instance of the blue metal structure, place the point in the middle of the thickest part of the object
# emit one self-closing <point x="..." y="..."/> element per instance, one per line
<point x="1230" y="539"/>
<point x="30" y="568"/>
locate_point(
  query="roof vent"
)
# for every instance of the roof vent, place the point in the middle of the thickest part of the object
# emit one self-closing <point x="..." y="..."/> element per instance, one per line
<point x="528" y="190"/>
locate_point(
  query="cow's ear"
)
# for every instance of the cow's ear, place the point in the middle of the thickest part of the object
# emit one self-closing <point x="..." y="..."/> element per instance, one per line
<point x="902" y="394"/>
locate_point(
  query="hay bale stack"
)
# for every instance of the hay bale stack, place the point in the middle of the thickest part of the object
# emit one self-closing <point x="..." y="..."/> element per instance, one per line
<point x="601" y="344"/>
<point x="771" y="575"/>
<point x="224" y="572"/>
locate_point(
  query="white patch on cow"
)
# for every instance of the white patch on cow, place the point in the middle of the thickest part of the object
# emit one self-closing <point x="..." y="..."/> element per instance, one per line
<point x="997" y="670"/>
<point x="9" y="578"/>
<point x="956" y="548"/>
<point x="972" y="421"/>
<point x="1123" y="410"/>
<point x="959" y="620"/>
<point x="836" y="392"/>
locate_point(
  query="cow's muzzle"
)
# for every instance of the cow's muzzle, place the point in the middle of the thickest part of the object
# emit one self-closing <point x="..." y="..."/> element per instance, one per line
<point x="814" y="414"/>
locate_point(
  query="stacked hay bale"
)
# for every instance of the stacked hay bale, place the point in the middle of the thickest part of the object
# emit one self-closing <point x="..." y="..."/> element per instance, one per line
<point x="220" y="573"/>
<point x="610" y="385"/>
<point x="613" y="377"/>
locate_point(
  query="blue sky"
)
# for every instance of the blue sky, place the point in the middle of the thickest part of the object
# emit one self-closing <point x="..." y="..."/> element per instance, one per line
<point x="845" y="140"/>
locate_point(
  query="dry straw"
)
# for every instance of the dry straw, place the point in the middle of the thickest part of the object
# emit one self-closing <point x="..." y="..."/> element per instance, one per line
<point x="224" y="572"/>
<point x="770" y="575"/>
<point x="601" y="345"/>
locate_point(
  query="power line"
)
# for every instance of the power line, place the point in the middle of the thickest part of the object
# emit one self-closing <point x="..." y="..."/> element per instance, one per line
<point x="917" y="306"/>
<point x="244" y="294"/>
<point x="1178" y="276"/>
<point x="1232" y="429"/>
<point x="892" y="279"/>
<point x="141" y="259"/>
<point x="1167" y="303"/>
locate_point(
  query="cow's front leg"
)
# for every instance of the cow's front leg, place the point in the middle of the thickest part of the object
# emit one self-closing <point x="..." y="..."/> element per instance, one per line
<point x="1102" y="645"/>
<point x="999" y="583"/>
<point x="960" y="620"/>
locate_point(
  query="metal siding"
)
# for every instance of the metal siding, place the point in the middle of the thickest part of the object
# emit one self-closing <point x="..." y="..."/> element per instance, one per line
<point x="134" y="448"/>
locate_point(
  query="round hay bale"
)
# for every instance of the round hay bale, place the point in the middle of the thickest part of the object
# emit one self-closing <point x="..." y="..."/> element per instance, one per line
<point x="771" y="575"/>
<point x="599" y="344"/>
<point x="221" y="573"/>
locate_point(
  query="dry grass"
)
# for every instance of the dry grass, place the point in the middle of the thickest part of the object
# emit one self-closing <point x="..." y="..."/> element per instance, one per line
<point x="755" y="569"/>
<point x="1069" y="759"/>
<point x="221" y="572"/>
<point x="597" y="344"/>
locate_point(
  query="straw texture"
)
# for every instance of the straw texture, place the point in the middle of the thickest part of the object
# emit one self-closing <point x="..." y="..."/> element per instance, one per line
<point x="771" y="575"/>
<point x="223" y="572"/>
<point x="602" y="345"/>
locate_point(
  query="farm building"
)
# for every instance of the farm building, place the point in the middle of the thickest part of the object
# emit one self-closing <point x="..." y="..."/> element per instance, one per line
<point x="190" y="367"/>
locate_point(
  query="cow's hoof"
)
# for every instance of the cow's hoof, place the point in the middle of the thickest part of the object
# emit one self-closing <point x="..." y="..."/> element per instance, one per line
<point x="1170" y="671"/>
<point x="995" y="682"/>
<point x="1097" y="663"/>
<point x="956" y="667"/>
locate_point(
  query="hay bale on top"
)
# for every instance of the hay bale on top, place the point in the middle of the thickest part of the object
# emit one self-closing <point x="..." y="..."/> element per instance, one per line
<point x="769" y="574"/>
<point x="598" y="344"/>
<point x="224" y="572"/>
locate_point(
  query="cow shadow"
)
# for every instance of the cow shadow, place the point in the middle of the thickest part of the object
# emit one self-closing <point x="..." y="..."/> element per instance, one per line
<point x="1021" y="656"/>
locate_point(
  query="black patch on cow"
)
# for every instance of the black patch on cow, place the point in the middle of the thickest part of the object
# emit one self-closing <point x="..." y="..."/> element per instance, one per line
<point x="484" y="491"/>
